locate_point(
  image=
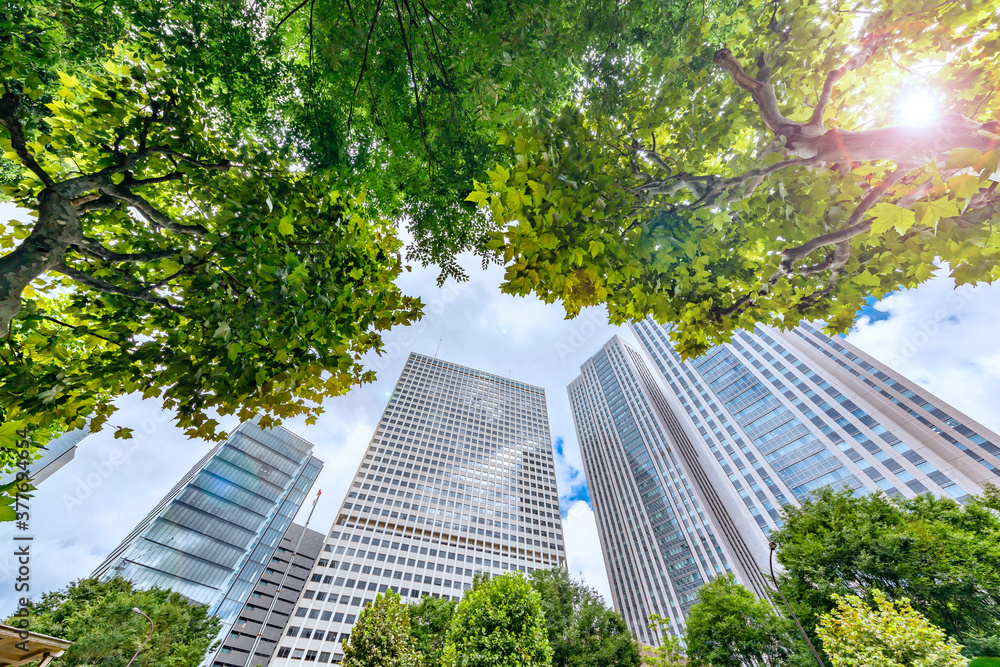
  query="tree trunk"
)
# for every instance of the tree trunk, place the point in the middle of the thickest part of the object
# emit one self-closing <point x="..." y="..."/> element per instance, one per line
<point x="57" y="228"/>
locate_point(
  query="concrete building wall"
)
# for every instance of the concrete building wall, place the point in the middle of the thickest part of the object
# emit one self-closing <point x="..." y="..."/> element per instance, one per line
<point x="458" y="478"/>
<point x="285" y="576"/>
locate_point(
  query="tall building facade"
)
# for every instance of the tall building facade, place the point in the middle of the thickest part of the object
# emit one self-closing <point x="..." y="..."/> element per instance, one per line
<point x="57" y="453"/>
<point x="659" y="521"/>
<point x="751" y="426"/>
<point x="213" y="534"/>
<point x="285" y="576"/>
<point x="459" y="477"/>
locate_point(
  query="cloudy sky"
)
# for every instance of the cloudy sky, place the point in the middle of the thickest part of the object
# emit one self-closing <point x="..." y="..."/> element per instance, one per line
<point x="942" y="338"/>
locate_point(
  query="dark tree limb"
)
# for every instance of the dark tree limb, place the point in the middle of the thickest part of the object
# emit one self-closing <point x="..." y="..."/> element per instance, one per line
<point x="285" y="18"/>
<point x="70" y="326"/>
<point x="131" y="182"/>
<point x="94" y="248"/>
<point x="150" y="212"/>
<point x="413" y="75"/>
<point x="80" y="185"/>
<point x="107" y="288"/>
<point x="364" y="62"/>
<point x="8" y="118"/>
<point x="434" y="16"/>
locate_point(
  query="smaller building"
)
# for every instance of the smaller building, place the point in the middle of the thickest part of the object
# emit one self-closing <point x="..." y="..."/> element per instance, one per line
<point x="15" y="650"/>
<point x="214" y="533"/>
<point x="57" y="453"/>
<point x="288" y="563"/>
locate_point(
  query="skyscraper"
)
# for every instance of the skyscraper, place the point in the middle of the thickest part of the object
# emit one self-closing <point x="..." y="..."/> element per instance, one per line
<point x="750" y="426"/>
<point x="458" y="478"/>
<point x="58" y="453"/>
<point x="212" y="535"/>
<point x="288" y="569"/>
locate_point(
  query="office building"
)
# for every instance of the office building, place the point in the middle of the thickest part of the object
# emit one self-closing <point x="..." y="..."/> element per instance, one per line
<point x="458" y="478"/>
<point x="213" y="534"/>
<point x="288" y="569"/>
<point x="735" y="434"/>
<point x="57" y="453"/>
<point x="656" y="517"/>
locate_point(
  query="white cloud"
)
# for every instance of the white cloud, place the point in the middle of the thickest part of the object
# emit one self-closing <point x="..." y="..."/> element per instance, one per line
<point x="583" y="551"/>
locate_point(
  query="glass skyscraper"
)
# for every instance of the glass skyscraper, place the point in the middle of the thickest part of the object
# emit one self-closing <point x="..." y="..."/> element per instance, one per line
<point x="458" y="478"/>
<point x="213" y="534"/>
<point x="57" y="453"/>
<point x="748" y="427"/>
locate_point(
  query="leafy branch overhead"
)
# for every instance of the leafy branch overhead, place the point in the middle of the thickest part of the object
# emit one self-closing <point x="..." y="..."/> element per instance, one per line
<point x="171" y="257"/>
<point x="715" y="199"/>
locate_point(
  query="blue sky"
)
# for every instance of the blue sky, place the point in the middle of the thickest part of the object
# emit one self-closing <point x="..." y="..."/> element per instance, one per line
<point x="942" y="338"/>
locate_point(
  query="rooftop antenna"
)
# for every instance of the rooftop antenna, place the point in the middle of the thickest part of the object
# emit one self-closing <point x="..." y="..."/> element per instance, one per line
<point x="438" y="348"/>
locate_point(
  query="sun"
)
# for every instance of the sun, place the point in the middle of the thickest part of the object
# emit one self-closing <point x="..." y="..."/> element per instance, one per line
<point x="917" y="107"/>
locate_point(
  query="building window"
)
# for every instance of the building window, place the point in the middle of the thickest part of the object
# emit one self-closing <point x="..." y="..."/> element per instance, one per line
<point x="284" y="651"/>
<point x="311" y="655"/>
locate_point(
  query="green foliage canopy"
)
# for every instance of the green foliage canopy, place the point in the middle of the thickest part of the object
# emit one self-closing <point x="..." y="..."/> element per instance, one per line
<point x="937" y="553"/>
<point x="891" y="635"/>
<point x="715" y="199"/>
<point x="430" y="620"/>
<point x="499" y="623"/>
<point x="98" y="618"/>
<point x="731" y="627"/>
<point x="410" y="95"/>
<point x="582" y="632"/>
<point x="670" y="652"/>
<point x="381" y="637"/>
<point x="170" y="258"/>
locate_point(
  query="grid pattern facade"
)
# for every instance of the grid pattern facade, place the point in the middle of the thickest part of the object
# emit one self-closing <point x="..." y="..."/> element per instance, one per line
<point x="235" y="650"/>
<point x="212" y="536"/>
<point x="657" y="520"/>
<point x="786" y="413"/>
<point x="459" y="477"/>
<point x="753" y="425"/>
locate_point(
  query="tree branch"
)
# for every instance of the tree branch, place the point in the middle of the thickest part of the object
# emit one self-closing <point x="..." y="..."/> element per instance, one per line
<point x="74" y="187"/>
<point x="108" y="288"/>
<point x="413" y="75"/>
<point x="870" y="45"/>
<point x="364" y="62"/>
<point x="94" y="248"/>
<point x="8" y="118"/>
<point x="855" y="225"/>
<point x="286" y="17"/>
<point x="761" y="92"/>
<point x="150" y="212"/>
<point x="130" y="182"/>
<point x="70" y="326"/>
<point x="709" y="188"/>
